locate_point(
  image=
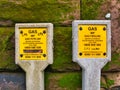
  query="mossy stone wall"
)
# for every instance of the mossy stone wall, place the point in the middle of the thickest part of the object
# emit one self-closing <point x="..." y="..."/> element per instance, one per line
<point x="63" y="74"/>
<point x="61" y="13"/>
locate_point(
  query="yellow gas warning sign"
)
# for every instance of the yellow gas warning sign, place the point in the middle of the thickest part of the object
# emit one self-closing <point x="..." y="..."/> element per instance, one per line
<point x="33" y="43"/>
<point x="92" y="41"/>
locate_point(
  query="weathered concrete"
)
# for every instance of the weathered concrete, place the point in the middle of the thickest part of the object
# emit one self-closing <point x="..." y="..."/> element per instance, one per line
<point x="34" y="68"/>
<point x="35" y="75"/>
<point x="91" y="66"/>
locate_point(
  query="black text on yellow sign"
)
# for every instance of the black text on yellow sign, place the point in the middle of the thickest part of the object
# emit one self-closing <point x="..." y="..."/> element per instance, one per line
<point x="33" y="43"/>
<point x="92" y="41"/>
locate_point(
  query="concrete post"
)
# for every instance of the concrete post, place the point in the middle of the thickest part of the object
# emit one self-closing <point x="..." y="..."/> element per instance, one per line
<point x="91" y="73"/>
<point x="91" y="49"/>
<point x="35" y="77"/>
<point x="34" y="51"/>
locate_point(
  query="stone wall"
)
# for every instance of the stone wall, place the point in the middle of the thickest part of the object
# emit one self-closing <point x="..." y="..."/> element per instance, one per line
<point x="63" y="74"/>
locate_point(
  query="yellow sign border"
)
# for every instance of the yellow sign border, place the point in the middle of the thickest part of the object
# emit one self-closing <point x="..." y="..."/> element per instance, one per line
<point x="95" y="31"/>
<point x="33" y="43"/>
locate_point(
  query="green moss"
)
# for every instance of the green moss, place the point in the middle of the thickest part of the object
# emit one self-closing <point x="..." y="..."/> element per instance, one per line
<point x="108" y="84"/>
<point x="90" y="9"/>
<point x="47" y="81"/>
<point x="62" y="47"/>
<point x="115" y="56"/>
<point x="115" y="59"/>
<point x="5" y="35"/>
<point x="63" y="81"/>
<point x="114" y="62"/>
<point x="71" y="81"/>
<point x="36" y="11"/>
<point x="7" y="49"/>
<point x="106" y="67"/>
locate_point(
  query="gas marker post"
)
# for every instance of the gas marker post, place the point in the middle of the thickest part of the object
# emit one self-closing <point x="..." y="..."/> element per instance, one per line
<point x="91" y="49"/>
<point x="34" y="51"/>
